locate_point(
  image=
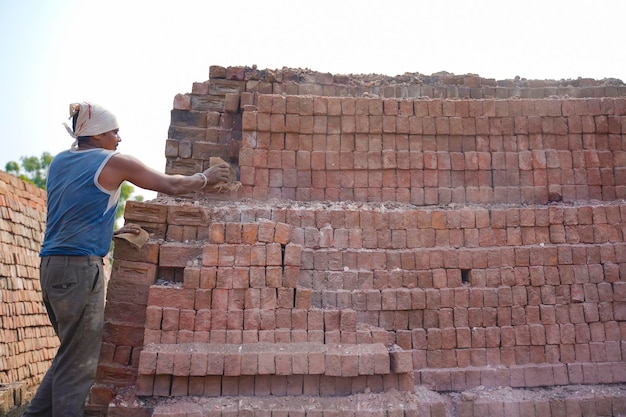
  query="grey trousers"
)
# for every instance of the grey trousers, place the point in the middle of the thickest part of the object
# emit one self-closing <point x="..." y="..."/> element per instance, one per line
<point x="73" y="293"/>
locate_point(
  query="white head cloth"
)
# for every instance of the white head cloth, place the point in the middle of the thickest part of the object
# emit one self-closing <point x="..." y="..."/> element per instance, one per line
<point x="92" y="120"/>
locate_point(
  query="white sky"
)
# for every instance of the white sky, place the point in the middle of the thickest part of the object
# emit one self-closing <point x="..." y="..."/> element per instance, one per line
<point x="134" y="56"/>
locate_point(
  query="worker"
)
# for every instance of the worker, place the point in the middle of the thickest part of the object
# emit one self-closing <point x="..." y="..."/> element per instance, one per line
<point x="83" y="188"/>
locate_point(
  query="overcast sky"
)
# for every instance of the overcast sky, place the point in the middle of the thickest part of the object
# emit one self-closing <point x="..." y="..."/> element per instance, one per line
<point x="134" y="56"/>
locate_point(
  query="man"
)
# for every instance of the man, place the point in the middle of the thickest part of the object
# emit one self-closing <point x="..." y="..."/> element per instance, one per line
<point x="83" y="189"/>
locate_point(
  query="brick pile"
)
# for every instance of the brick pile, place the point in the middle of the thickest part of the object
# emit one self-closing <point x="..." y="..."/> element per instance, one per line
<point x="27" y="340"/>
<point x="226" y="316"/>
<point x="376" y="242"/>
<point x="433" y="152"/>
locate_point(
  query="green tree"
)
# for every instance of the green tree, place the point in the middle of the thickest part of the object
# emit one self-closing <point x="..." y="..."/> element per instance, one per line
<point x="125" y="194"/>
<point x="31" y="169"/>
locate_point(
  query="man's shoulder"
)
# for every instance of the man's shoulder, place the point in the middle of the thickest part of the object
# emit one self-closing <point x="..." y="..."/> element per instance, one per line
<point x="121" y="159"/>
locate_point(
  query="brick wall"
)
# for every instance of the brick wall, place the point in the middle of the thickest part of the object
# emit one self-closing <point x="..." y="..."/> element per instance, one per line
<point x="27" y="340"/>
<point x="513" y="288"/>
<point x="460" y="139"/>
<point x="216" y="280"/>
<point x="474" y="236"/>
<point x="433" y="152"/>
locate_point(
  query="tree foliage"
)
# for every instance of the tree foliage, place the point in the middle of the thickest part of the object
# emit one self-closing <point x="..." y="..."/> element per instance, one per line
<point x="31" y="169"/>
<point x="125" y="194"/>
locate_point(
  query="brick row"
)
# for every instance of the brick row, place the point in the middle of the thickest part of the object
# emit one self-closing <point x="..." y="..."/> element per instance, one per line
<point x="455" y="164"/>
<point x="564" y="279"/>
<point x="270" y="385"/>
<point x="440" y="195"/>
<point x="257" y="184"/>
<point x="538" y="258"/>
<point x="225" y="336"/>
<point x="347" y="106"/>
<point x="590" y="314"/>
<point x="196" y="228"/>
<point x="250" y="233"/>
<point x="545" y="340"/>
<point x="273" y="359"/>
<point x="590" y="319"/>
<point x="523" y="376"/>
<point x="375" y="216"/>
<point x="506" y="357"/>
<point x="592" y="298"/>
<point x="455" y="168"/>
<point x="285" y="318"/>
<point x="228" y="299"/>
<point x="244" y="275"/>
<point x="536" y="300"/>
<point x="344" y="215"/>
<point x="368" y="124"/>
<point x="258" y="254"/>
<point x="297" y="81"/>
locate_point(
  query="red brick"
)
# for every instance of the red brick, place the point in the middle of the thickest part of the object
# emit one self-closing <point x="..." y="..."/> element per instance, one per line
<point x="350" y="365"/>
<point x="165" y="363"/>
<point x="212" y="386"/>
<point x="208" y="277"/>
<point x="283" y="363"/>
<point x="173" y="254"/>
<point x="186" y="319"/>
<point x="292" y="255"/>
<point x="273" y="277"/>
<point x="232" y="364"/>
<point x="249" y="361"/>
<point x="180" y="298"/>
<point x="154" y="316"/>
<point x="348" y="320"/>
<point x="401" y="361"/>
<point x="162" y="385"/>
<point x="265" y="231"/>
<point x="147" y="363"/>
<point x="332" y="320"/>
<point x="274" y="254"/>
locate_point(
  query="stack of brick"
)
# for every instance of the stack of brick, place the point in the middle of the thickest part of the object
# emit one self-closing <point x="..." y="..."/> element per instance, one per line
<point x="403" y="140"/>
<point x="490" y="312"/>
<point x="241" y="297"/>
<point x="474" y="242"/>
<point x="134" y="271"/>
<point x="27" y="340"/>
<point x="433" y="152"/>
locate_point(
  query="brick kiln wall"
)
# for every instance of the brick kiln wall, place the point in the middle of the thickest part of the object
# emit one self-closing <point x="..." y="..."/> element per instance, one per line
<point x="479" y="232"/>
<point x="27" y="340"/>
<point x="433" y="152"/>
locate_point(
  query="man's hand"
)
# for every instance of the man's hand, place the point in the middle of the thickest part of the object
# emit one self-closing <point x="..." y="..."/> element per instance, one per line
<point x="217" y="173"/>
<point x="128" y="228"/>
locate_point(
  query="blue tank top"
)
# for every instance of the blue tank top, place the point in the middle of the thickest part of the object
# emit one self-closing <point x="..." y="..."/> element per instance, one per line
<point x="81" y="213"/>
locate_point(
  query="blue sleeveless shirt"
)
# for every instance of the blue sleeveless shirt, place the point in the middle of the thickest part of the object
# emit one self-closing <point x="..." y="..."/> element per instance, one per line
<point x="81" y="213"/>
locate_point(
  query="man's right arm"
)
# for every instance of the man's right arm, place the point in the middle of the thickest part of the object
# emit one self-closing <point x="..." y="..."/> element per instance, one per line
<point x="122" y="168"/>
